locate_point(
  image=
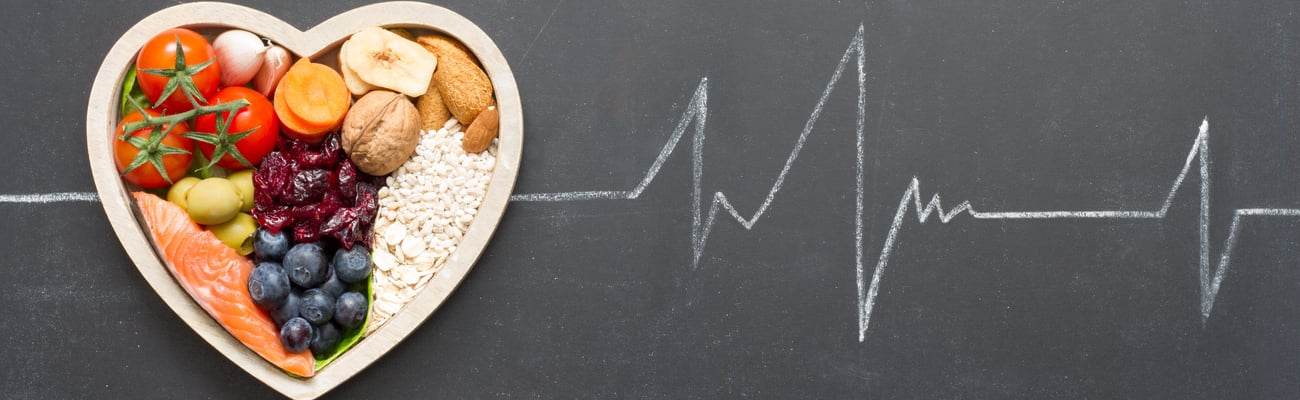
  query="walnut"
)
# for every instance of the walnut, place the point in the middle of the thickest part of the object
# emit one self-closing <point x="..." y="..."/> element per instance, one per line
<point x="381" y="131"/>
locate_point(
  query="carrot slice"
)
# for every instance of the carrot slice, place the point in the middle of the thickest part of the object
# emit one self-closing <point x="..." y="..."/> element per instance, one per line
<point x="217" y="277"/>
<point x="293" y="126"/>
<point x="316" y="94"/>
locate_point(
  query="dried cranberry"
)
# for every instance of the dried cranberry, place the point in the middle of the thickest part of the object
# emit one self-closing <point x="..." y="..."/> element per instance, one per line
<point x="273" y="176"/>
<point x="304" y="233"/>
<point x="367" y="202"/>
<point x="273" y="161"/>
<point x="273" y="219"/>
<point x="347" y="179"/>
<point x="326" y="208"/>
<point x="345" y="225"/>
<point x="307" y="187"/>
<point x="367" y="236"/>
<point x="325" y="156"/>
<point x="292" y="148"/>
<point x="315" y="191"/>
<point x="262" y="199"/>
<point x="263" y="177"/>
<point x="303" y="213"/>
<point x="332" y="149"/>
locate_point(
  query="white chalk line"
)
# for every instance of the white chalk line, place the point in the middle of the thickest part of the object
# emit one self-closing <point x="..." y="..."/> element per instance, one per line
<point x="49" y="198"/>
<point x="1211" y="280"/>
<point x="696" y="114"/>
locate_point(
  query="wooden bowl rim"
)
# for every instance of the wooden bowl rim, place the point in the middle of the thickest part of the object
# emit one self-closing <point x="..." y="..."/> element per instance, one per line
<point x="101" y="117"/>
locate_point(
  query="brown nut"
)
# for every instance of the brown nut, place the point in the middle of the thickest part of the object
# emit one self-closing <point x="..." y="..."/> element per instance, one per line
<point x="381" y="131"/>
<point x="444" y="46"/>
<point x="479" y="135"/>
<point x="403" y="33"/>
<point x="465" y="88"/>
<point x="433" y="113"/>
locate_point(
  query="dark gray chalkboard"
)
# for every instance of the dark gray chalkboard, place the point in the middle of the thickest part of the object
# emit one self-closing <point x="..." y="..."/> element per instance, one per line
<point x="1017" y="107"/>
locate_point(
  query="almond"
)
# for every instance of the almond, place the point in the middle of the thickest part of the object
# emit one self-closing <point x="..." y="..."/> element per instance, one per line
<point x="482" y="131"/>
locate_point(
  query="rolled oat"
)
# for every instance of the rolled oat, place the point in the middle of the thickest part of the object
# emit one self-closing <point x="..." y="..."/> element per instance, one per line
<point x="424" y="211"/>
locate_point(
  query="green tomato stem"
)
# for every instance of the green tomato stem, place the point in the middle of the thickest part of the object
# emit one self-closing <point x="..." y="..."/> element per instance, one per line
<point x="151" y="121"/>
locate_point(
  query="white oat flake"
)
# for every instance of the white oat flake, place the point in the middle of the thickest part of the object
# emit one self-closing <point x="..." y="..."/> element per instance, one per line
<point x="424" y="211"/>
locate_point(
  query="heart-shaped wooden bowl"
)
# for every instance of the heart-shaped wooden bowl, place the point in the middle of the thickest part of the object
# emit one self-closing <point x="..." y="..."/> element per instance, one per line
<point x="316" y="43"/>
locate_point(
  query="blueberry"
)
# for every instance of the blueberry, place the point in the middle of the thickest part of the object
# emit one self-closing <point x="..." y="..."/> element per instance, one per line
<point x="333" y="286"/>
<point x="268" y="285"/>
<point x="316" y="306"/>
<point x="288" y="310"/>
<point x="295" y="335"/>
<point x="270" y="246"/>
<point x="325" y="339"/>
<point x="350" y="310"/>
<point x="352" y="265"/>
<point x="306" y="265"/>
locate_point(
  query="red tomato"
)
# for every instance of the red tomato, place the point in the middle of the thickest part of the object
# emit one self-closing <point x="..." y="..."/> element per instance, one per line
<point x="259" y="115"/>
<point x="160" y="52"/>
<point x="147" y="175"/>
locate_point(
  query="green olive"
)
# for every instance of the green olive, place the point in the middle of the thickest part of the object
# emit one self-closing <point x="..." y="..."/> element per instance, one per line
<point x="213" y="201"/>
<point x="237" y="233"/>
<point x="244" y="181"/>
<point x="176" y="194"/>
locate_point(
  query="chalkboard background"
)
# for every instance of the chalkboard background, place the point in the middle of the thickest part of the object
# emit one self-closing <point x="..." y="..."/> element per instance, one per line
<point x="1014" y="106"/>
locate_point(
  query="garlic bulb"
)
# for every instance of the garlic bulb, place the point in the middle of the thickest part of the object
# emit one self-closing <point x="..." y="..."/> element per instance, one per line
<point x="239" y="53"/>
<point x="275" y="63"/>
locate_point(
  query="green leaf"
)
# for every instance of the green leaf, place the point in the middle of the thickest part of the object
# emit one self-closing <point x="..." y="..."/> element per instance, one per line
<point x="136" y="141"/>
<point x="180" y="76"/>
<point x="163" y="72"/>
<point x="128" y="86"/>
<point x="192" y="90"/>
<point x="135" y="103"/>
<point x="223" y="142"/>
<point x="354" y="335"/>
<point x="132" y="96"/>
<point x="152" y="150"/>
<point x="162" y="170"/>
<point x="140" y="159"/>
<point x="196" y="166"/>
<point x="169" y="150"/>
<point x="172" y="84"/>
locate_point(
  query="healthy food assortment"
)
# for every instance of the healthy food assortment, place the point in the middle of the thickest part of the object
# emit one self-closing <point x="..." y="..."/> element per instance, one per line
<point x="303" y="202"/>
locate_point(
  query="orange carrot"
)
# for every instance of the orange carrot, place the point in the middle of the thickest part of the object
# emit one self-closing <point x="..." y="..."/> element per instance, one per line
<point x="316" y="94"/>
<point x="290" y="124"/>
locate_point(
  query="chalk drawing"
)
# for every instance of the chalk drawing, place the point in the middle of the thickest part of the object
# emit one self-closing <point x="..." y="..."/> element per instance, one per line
<point x="697" y="111"/>
<point x="47" y="198"/>
<point x="1210" y="279"/>
<point x="696" y="115"/>
<point x="702" y="224"/>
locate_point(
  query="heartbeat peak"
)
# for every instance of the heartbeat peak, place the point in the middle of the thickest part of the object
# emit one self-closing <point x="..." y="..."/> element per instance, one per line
<point x="696" y="115"/>
<point x="1211" y="279"/>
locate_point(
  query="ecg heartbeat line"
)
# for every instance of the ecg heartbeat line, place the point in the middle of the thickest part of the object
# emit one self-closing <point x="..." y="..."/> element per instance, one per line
<point x="697" y="111"/>
<point x="1210" y="280"/>
<point x="696" y="114"/>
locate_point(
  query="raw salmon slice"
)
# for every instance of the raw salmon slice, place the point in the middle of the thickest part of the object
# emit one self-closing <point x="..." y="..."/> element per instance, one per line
<point x="217" y="278"/>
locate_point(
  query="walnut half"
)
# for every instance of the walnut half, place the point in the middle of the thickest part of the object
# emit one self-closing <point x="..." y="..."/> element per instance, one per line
<point x="381" y="131"/>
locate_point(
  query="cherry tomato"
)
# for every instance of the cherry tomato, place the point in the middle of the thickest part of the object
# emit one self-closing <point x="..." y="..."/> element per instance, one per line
<point x="160" y="53"/>
<point x="147" y="175"/>
<point x="258" y="115"/>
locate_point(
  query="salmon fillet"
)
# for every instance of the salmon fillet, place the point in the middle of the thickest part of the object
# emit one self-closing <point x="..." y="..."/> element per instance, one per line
<point x="217" y="278"/>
